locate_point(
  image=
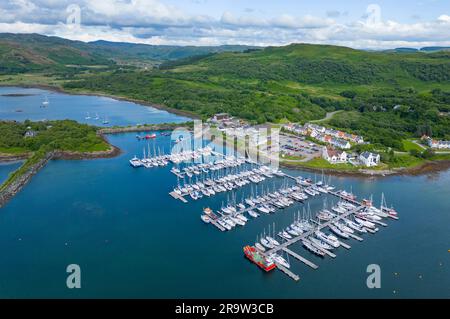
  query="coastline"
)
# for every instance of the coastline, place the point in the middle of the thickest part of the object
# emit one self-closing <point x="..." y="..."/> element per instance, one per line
<point x="59" y="89"/>
<point x="422" y="169"/>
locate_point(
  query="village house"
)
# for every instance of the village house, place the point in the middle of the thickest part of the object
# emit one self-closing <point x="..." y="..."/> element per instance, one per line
<point x="220" y="117"/>
<point x="331" y="136"/>
<point x="340" y="143"/>
<point x="369" y="159"/>
<point x="30" y="133"/>
<point x="435" y="143"/>
<point x="334" y="156"/>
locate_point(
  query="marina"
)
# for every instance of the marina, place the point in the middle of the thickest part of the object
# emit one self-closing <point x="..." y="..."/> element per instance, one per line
<point x="137" y="207"/>
<point x="108" y="218"/>
<point x="313" y="239"/>
<point x="204" y="173"/>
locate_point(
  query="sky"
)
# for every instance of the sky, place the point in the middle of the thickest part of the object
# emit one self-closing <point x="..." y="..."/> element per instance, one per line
<point x="361" y="24"/>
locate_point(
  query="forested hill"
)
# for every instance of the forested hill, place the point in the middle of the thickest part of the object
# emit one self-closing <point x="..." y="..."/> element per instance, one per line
<point x="21" y="53"/>
<point x="393" y="94"/>
<point x="328" y="64"/>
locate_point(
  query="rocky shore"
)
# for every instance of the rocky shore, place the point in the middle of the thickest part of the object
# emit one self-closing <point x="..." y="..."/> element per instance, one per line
<point x="13" y="188"/>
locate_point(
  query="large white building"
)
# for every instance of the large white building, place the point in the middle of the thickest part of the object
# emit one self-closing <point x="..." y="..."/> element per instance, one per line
<point x="369" y="159"/>
<point x="334" y="156"/>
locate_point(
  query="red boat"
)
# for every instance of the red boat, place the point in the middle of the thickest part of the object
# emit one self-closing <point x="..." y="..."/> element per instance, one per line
<point x="147" y="137"/>
<point x="257" y="258"/>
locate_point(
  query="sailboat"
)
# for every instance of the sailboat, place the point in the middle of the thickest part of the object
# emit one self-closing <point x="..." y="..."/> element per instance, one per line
<point x="390" y="211"/>
<point x="105" y="121"/>
<point x="45" y="103"/>
<point x="96" y="117"/>
<point x="88" y="117"/>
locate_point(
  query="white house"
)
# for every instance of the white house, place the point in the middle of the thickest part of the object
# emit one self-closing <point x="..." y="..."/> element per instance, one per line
<point x="369" y="159"/>
<point x="334" y="156"/>
<point x="338" y="142"/>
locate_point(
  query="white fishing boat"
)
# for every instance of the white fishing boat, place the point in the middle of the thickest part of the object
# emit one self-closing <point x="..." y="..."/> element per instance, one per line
<point x="263" y="209"/>
<point x="285" y="235"/>
<point x="205" y="218"/>
<point x="135" y="162"/>
<point x="343" y="227"/>
<point x="45" y="103"/>
<point x="329" y="239"/>
<point x="273" y="241"/>
<point x="320" y="243"/>
<point x="313" y="249"/>
<point x="237" y="221"/>
<point x="355" y="226"/>
<point x="280" y="260"/>
<point x="365" y="223"/>
<point x="292" y="232"/>
<point x="253" y="214"/>
<point x="339" y="232"/>
<point x="267" y="243"/>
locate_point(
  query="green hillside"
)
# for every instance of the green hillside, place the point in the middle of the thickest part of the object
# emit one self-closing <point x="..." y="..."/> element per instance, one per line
<point x="21" y="53"/>
<point x="301" y="82"/>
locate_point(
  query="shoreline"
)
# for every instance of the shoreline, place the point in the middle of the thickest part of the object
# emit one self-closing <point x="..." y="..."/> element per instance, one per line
<point x="422" y="169"/>
<point x="59" y="89"/>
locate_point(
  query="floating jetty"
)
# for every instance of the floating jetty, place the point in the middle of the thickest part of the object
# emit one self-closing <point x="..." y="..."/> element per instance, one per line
<point x="303" y="238"/>
<point x="209" y="172"/>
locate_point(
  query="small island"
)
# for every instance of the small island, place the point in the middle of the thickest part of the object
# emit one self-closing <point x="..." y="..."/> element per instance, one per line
<point x="38" y="142"/>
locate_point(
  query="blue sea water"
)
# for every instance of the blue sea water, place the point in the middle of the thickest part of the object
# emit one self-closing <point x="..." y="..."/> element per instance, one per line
<point x="78" y="107"/>
<point x="131" y="239"/>
<point x="7" y="168"/>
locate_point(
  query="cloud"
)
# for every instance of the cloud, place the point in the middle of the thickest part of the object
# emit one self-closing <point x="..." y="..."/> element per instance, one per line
<point x="155" y="22"/>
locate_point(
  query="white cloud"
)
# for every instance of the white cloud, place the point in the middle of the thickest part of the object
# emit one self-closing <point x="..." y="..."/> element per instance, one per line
<point x="154" y="22"/>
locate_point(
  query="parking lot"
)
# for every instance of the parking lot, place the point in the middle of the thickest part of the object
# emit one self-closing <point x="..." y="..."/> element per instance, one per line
<point x="294" y="146"/>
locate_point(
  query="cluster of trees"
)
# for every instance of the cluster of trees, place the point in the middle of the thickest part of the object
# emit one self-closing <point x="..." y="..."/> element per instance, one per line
<point x="64" y="135"/>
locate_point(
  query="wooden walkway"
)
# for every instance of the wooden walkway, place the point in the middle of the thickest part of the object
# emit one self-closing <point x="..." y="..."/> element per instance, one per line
<point x="302" y="259"/>
<point x="288" y="272"/>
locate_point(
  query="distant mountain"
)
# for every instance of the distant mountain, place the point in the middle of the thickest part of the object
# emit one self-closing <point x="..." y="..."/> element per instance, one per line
<point x="163" y="52"/>
<point x="21" y="53"/>
<point x="434" y="49"/>
<point x="425" y="49"/>
<point x="33" y="52"/>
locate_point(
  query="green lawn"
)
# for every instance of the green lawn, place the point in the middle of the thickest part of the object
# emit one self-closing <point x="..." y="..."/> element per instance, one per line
<point x="405" y="161"/>
<point x="409" y="145"/>
<point x="320" y="163"/>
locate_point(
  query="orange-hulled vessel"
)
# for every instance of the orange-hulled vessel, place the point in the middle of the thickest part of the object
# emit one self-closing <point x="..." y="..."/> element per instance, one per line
<point x="257" y="258"/>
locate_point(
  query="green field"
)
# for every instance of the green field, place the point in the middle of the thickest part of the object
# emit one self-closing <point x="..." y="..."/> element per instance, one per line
<point x="320" y="163"/>
<point x="409" y="145"/>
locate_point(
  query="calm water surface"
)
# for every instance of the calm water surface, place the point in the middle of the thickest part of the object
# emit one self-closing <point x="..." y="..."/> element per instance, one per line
<point x="7" y="168"/>
<point x="132" y="240"/>
<point x="77" y="107"/>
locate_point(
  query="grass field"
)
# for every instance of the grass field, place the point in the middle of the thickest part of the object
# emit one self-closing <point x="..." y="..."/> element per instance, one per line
<point x="409" y="145"/>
